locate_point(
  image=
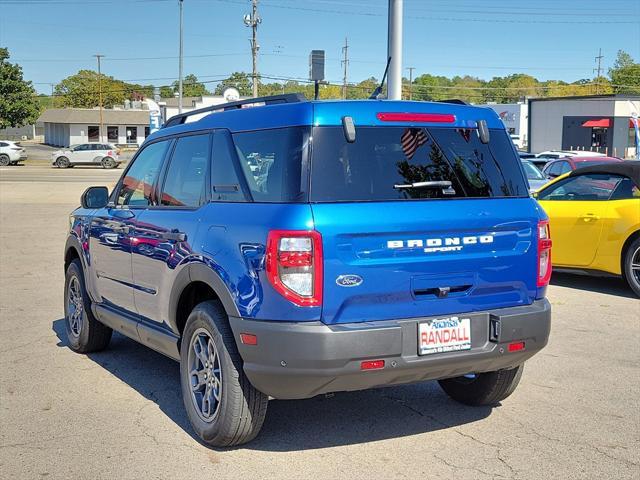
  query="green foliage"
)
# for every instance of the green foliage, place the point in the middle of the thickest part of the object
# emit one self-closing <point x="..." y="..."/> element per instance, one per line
<point x="238" y="80"/>
<point x="625" y="74"/>
<point x="82" y="90"/>
<point x="191" y="87"/>
<point x="18" y="103"/>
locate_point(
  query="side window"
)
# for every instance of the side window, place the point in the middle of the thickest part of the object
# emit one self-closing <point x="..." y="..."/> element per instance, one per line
<point x="271" y="161"/>
<point x="565" y="167"/>
<point x="225" y="183"/>
<point x="185" y="180"/>
<point x="80" y="148"/>
<point x="588" y="187"/>
<point x="554" y="169"/>
<point x="2" y="144"/>
<point x="626" y="190"/>
<point x="137" y="185"/>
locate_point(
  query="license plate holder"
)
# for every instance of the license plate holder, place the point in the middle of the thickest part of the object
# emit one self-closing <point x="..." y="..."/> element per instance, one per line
<point x="446" y="334"/>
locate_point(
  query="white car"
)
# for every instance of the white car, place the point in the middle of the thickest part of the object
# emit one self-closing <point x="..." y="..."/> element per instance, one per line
<point x="101" y="154"/>
<point x="11" y="153"/>
<point x="555" y="154"/>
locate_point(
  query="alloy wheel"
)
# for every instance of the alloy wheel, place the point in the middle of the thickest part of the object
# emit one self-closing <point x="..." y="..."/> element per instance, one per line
<point x="635" y="265"/>
<point x="205" y="375"/>
<point x="75" y="307"/>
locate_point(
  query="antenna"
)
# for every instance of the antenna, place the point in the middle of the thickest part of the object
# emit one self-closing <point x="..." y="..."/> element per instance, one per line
<point x="376" y="93"/>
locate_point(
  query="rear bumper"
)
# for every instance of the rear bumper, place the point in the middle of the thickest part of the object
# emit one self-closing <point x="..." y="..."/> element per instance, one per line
<point x="304" y="359"/>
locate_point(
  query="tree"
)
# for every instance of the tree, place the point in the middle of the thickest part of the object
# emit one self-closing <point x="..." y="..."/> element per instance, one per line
<point x="191" y="87"/>
<point x="18" y="103"/>
<point x="625" y="74"/>
<point x="81" y="90"/>
<point x="238" y="80"/>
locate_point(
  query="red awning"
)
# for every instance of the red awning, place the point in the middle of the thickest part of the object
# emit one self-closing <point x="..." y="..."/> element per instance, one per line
<point x="600" y="122"/>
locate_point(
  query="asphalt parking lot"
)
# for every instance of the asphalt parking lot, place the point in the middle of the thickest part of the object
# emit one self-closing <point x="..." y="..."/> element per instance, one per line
<point x="118" y="413"/>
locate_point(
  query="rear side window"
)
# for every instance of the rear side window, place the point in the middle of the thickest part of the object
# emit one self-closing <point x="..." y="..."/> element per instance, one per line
<point x="272" y="163"/>
<point x="137" y="185"/>
<point x="225" y="183"/>
<point x="186" y="176"/>
<point x="394" y="163"/>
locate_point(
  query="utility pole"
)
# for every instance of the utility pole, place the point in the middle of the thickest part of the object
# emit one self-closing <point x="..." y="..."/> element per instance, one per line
<point x="411" y="69"/>
<point x="598" y="70"/>
<point x="345" y="64"/>
<point x="98" y="57"/>
<point x="394" y="50"/>
<point x="180" y="63"/>
<point x="253" y="20"/>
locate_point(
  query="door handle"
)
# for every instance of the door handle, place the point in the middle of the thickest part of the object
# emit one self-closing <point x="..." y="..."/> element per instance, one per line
<point x="174" y="236"/>
<point x="588" y="217"/>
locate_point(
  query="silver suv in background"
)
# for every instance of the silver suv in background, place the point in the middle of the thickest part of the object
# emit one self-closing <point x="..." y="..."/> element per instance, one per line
<point x="11" y="153"/>
<point x="102" y="154"/>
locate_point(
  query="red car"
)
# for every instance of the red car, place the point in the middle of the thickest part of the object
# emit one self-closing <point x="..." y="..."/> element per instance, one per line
<point x="562" y="165"/>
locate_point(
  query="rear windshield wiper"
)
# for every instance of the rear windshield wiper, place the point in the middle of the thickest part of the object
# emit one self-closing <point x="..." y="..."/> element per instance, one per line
<point x="445" y="185"/>
<point x="431" y="184"/>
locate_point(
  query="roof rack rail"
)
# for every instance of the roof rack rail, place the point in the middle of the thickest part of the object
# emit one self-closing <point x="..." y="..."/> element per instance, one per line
<point x="457" y="101"/>
<point x="271" y="100"/>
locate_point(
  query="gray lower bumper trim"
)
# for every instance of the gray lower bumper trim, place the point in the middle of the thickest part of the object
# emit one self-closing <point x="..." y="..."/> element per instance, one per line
<point x="304" y="359"/>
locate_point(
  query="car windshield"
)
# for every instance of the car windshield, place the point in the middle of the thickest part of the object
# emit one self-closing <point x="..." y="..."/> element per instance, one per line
<point x="532" y="171"/>
<point x="409" y="163"/>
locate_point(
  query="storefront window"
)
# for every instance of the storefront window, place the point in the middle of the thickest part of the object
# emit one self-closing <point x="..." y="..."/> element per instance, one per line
<point x="132" y="134"/>
<point x="112" y="134"/>
<point x="93" y="133"/>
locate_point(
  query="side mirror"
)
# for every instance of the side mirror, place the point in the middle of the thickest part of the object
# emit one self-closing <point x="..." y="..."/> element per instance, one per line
<point x="95" y="197"/>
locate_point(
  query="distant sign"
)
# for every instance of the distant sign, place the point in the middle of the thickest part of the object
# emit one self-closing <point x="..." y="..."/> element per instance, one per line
<point x="155" y="116"/>
<point x="316" y="65"/>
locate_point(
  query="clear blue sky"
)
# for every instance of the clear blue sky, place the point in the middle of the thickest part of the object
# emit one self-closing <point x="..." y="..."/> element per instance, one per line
<point x="549" y="39"/>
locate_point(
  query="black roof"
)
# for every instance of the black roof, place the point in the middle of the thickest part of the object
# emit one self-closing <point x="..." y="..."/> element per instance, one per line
<point x="627" y="168"/>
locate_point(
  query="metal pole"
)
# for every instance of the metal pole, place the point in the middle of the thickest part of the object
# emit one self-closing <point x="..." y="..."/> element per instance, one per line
<point x="100" y="97"/>
<point x="394" y="50"/>
<point x="345" y="63"/>
<point x="598" y="70"/>
<point x="411" y="69"/>
<point x="254" y="45"/>
<point x="180" y="63"/>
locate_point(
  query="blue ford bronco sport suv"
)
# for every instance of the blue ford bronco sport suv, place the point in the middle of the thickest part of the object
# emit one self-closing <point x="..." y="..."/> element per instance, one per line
<point x="298" y="247"/>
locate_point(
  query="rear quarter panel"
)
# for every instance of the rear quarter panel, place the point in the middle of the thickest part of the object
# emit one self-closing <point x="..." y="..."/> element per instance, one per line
<point x="622" y="220"/>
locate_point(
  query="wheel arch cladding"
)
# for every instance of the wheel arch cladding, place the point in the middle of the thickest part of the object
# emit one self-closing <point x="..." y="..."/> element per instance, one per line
<point x="195" y="284"/>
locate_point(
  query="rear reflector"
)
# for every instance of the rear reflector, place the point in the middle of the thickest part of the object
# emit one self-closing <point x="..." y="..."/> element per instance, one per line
<point x="372" y="365"/>
<point x="416" y="117"/>
<point x="248" y="339"/>
<point x="515" y="346"/>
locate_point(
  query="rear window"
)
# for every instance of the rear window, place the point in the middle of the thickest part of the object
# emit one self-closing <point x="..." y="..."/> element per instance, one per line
<point x="402" y="163"/>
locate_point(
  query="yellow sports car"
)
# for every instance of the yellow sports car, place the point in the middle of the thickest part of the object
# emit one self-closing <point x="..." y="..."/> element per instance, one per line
<point x="594" y="215"/>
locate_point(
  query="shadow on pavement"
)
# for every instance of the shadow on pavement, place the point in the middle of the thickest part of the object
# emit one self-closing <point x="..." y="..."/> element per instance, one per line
<point x="347" y="418"/>
<point x="607" y="285"/>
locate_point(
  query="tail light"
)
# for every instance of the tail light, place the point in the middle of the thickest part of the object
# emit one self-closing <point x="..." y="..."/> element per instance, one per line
<point x="544" y="253"/>
<point x="110" y="153"/>
<point x="294" y="265"/>
<point x="416" y="117"/>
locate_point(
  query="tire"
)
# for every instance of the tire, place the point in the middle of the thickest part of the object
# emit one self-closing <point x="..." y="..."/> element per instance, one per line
<point x="62" y="162"/>
<point x="236" y="414"/>
<point x="5" y="161"/>
<point x="631" y="266"/>
<point x="108" y="162"/>
<point x="485" y="389"/>
<point x="85" y="333"/>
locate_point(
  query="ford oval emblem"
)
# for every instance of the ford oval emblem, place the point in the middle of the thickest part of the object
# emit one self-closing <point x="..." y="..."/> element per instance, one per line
<point x="349" y="280"/>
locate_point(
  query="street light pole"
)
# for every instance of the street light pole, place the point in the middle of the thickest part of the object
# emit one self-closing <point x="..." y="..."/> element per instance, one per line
<point x="411" y="69"/>
<point x="180" y="63"/>
<point x="98" y="57"/>
<point x="394" y="50"/>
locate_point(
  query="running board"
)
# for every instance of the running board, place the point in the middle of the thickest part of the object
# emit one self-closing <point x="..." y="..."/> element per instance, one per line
<point x="161" y="341"/>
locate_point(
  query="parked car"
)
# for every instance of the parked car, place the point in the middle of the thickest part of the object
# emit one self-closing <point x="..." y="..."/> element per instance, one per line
<point x="534" y="176"/>
<point x="526" y="155"/>
<point x="555" y="154"/>
<point x="567" y="164"/>
<point x="11" y="153"/>
<point x="403" y="247"/>
<point x="595" y="219"/>
<point x="102" y="154"/>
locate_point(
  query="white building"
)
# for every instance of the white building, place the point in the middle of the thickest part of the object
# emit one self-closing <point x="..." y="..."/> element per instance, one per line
<point x="70" y="126"/>
<point x="599" y="123"/>
<point x="515" y="117"/>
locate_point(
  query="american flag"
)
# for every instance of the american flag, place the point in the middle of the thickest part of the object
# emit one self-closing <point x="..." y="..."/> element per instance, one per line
<point x="412" y="139"/>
